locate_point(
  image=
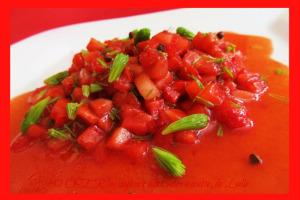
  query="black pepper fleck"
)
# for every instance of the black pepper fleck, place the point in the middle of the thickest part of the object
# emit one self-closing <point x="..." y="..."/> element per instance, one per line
<point x="161" y="47"/>
<point x="255" y="159"/>
<point x="220" y="34"/>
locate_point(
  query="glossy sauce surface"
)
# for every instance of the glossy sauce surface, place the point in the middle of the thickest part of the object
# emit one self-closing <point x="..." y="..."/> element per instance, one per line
<point x="215" y="165"/>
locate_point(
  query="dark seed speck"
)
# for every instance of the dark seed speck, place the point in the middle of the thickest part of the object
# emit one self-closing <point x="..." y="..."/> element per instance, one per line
<point x="161" y="47"/>
<point x="220" y="34"/>
<point x="255" y="159"/>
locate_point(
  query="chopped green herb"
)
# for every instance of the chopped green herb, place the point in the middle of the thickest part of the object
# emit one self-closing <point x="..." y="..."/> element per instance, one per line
<point x="118" y="66"/>
<point x="281" y="72"/>
<point x="238" y="106"/>
<point x="185" y="33"/>
<point x="94" y="87"/>
<point x="53" y="100"/>
<point x="219" y="60"/>
<point x="169" y="162"/>
<point x="34" y="114"/>
<point x="230" y="48"/>
<point x="84" y="52"/>
<point x="278" y="97"/>
<point x="220" y="131"/>
<point x="195" y="121"/>
<point x="72" y="109"/>
<point x="228" y="71"/>
<point x="57" y="134"/>
<point x="112" y="53"/>
<point x="114" y="114"/>
<point x="41" y="94"/>
<point x="103" y="63"/>
<point x="56" y="78"/>
<point x="142" y="35"/>
<point x="85" y="90"/>
<point x="199" y="83"/>
<point x="204" y="101"/>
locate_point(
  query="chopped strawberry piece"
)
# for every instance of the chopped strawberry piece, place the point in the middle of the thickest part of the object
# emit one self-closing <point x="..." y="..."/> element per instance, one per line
<point x="84" y="113"/>
<point x="136" y="149"/>
<point x="55" y="91"/>
<point x="36" y="131"/>
<point x="77" y="94"/>
<point x="171" y="95"/>
<point x="59" y="112"/>
<point x="90" y="137"/>
<point x="154" y="106"/>
<point x="232" y="114"/>
<point x="146" y="87"/>
<point x="186" y="137"/>
<point x="105" y="123"/>
<point x="137" y="121"/>
<point x="101" y="106"/>
<point x="68" y="84"/>
<point x="213" y="93"/>
<point x="95" y="45"/>
<point x="118" y="138"/>
<point x="174" y="114"/>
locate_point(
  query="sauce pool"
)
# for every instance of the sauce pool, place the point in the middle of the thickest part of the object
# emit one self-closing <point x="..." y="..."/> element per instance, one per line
<point x="215" y="165"/>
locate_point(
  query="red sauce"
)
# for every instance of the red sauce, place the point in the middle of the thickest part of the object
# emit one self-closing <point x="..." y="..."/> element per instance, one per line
<point x="215" y="165"/>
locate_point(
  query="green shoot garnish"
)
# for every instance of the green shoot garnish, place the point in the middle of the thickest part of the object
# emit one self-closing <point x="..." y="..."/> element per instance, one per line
<point x="84" y="52"/>
<point x="169" y="162"/>
<point x="41" y="94"/>
<point x="220" y="131"/>
<point x="142" y="35"/>
<point x="34" y="114"/>
<point x="278" y="97"/>
<point x="281" y="72"/>
<point x="185" y="33"/>
<point x="85" y="90"/>
<point x="235" y="105"/>
<point x="219" y="60"/>
<point x="102" y="63"/>
<point x="199" y="83"/>
<point x="228" y="71"/>
<point x="57" y="134"/>
<point x="56" y="78"/>
<point x="71" y="110"/>
<point x="195" y="121"/>
<point x="114" y="114"/>
<point x="204" y="101"/>
<point x="95" y="87"/>
<point x="118" y="66"/>
<point x="230" y="48"/>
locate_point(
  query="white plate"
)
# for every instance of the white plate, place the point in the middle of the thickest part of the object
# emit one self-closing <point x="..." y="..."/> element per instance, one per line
<point x="35" y="58"/>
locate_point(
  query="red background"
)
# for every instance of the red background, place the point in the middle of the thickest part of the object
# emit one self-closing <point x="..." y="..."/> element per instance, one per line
<point x="26" y="22"/>
<point x="7" y="12"/>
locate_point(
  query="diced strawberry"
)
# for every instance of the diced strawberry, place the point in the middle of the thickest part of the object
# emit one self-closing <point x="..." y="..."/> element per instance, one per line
<point x="137" y="121"/>
<point x="191" y="57"/>
<point x="179" y="86"/>
<point x="206" y="65"/>
<point x="36" y="131"/>
<point x="192" y="89"/>
<point x="118" y="138"/>
<point x="179" y="45"/>
<point x="174" y="114"/>
<point x="232" y="114"/>
<point x="68" y="84"/>
<point x="121" y="99"/>
<point x="105" y="123"/>
<point x="77" y="94"/>
<point x="101" y="106"/>
<point x="55" y="91"/>
<point x="207" y="43"/>
<point x="136" y="149"/>
<point x="186" y="137"/>
<point x="78" y="60"/>
<point x="136" y="69"/>
<point x="251" y="82"/>
<point x="213" y="93"/>
<point x="163" y="37"/>
<point x="154" y="106"/>
<point x="96" y="66"/>
<point x="164" y="82"/>
<point x="123" y="84"/>
<point x="87" y="115"/>
<point x="149" y="57"/>
<point x="59" y="112"/>
<point x="197" y="108"/>
<point x="146" y="87"/>
<point x="95" y="45"/>
<point x="85" y="77"/>
<point x="159" y="69"/>
<point x="171" y="95"/>
<point x="174" y="62"/>
<point x="244" y="96"/>
<point x="90" y="137"/>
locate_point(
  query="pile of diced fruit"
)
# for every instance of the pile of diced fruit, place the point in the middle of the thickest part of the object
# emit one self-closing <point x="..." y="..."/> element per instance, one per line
<point x="136" y="93"/>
